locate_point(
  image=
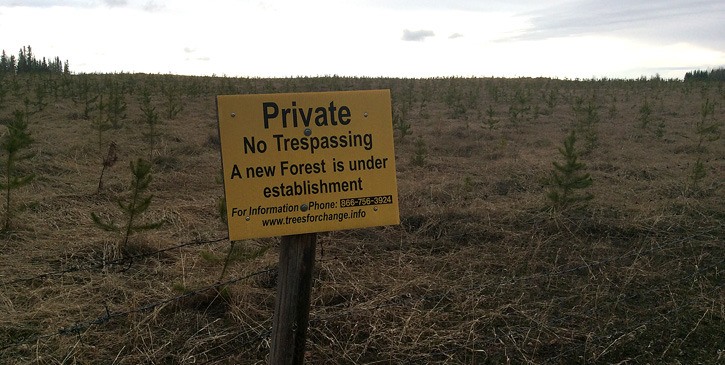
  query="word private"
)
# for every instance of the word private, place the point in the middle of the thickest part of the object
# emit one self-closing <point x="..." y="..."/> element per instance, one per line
<point x="288" y="150"/>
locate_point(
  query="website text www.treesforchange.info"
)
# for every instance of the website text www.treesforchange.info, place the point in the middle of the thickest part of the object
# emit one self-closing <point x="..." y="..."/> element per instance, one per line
<point x="314" y="217"/>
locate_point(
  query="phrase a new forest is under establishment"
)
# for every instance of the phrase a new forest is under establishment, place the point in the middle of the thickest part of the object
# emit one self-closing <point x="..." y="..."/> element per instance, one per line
<point x="307" y="162"/>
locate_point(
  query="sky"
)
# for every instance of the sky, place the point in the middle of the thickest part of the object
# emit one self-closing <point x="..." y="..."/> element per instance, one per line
<point x="564" y="39"/>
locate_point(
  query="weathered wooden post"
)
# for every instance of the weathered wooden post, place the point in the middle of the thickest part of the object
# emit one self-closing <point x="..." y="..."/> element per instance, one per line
<point x="297" y="164"/>
<point x="291" y="311"/>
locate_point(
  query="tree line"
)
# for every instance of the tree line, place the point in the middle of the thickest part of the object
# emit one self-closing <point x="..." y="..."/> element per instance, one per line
<point x="26" y="62"/>
<point x="717" y="74"/>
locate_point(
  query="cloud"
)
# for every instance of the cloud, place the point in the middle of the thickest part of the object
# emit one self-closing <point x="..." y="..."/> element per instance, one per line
<point x="115" y="3"/>
<point x="455" y="35"/>
<point x="665" y="21"/>
<point x="191" y="55"/>
<point x="152" y="6"/>
<point x="44" y="3"/>
<point x="416" y="35"/>
<point x="66" y="3"/>
<point x="462" y="5"/>
<point x="147" y="5"/>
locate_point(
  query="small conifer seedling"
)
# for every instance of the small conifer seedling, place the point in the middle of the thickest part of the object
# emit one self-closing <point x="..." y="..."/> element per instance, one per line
<point x="568" y="177"/>
<point x="13" y="145"/>
<point x="152" y="120"/>
<point x="420" y="153"/>
<point x="708" y="130"/>
<point x="100" y="124"/>
<point x="116" y="105"/>
<point x="491" y="121"/>
<point x="645" y="115"/>
<point x="133" y="207"/>
<point x="401" y="125"/>
<point x="172" y="98"/>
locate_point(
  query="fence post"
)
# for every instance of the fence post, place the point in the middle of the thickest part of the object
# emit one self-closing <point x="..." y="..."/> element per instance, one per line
<point x="292" y="306"/>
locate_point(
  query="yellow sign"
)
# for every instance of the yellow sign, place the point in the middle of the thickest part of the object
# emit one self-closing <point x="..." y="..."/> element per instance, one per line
<point x="307" y="162"/>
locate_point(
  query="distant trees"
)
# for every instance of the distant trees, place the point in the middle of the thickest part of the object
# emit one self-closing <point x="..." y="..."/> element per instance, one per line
<point x="27" y="63"/>
<point x="717" y="74"/>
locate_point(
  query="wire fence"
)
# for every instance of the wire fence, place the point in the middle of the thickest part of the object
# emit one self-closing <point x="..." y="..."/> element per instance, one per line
<point x="127" y="261"/>
<point x="79" y="327"/>
<point x="262" y="333"/>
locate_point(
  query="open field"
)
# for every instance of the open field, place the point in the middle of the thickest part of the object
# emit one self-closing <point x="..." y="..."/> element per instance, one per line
<point x="481" y="270"/>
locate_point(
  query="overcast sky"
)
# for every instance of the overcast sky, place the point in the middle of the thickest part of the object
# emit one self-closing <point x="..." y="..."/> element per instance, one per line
<point x="400" y="38"/>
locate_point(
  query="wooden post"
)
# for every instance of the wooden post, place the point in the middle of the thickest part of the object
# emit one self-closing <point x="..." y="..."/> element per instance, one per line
<point x="292" y="306"/>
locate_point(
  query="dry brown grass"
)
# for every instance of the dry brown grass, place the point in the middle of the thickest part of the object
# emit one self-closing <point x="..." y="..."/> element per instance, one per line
<point x="479" y="271"/>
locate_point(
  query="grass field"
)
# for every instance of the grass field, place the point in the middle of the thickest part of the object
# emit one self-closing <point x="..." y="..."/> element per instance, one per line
<point x="480" y="271"/>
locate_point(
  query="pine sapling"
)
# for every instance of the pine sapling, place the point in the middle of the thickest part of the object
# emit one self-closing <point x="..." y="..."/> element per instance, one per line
<point x="236" y="252"/>
<point x="116" y="105"/>
<point x="172" y="101"/>
<point x="133" y="207"/>
<point x="587" y="119"/>
<point x="491" y="121"/>
<point x="13" y="145"/>
<point x="401" y="125"/>
<point x="568" y="178"/>
<point x="520" y="110"/>
<point x="551" y="100"/>
<point x="420" y="153"/>
<point x="86" y="96"/>
<point x="645" y="115"/>
<point x="708" y="130"/>
<point x="151" y="118"/>
<point x="100" y="124"/>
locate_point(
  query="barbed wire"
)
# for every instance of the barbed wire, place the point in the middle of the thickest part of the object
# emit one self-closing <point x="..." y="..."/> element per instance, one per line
<point x="586" y="265"/>
<point x="79" y="327"/>
<point x="263" y="334"/>
<point x="672" y="311"/>
<point x="556" y="272"/>
<point x="128" y="261"/>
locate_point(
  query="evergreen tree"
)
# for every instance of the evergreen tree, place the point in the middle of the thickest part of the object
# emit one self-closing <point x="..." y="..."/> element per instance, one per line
<point x="172" y="96"/>
<point x="4" y="63"/>
<point x="152" y="120"/>
<point x="133" y="207"/>
<point x="116" y="106"/>
<point x="717" y="74"/>
<point x="567" y="178"/>
<point x="29" y="59"/>
<point x="708" y="130"/>
<point x="13" y="144"/>
<point x="27" y="63"/>
<point x="100" y="124"/>
<point x="22" y="61"/>
<point x="87" y="94"/>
